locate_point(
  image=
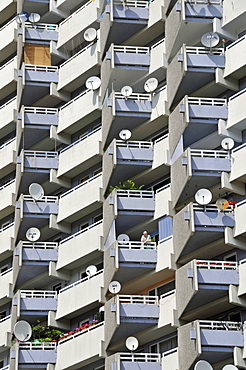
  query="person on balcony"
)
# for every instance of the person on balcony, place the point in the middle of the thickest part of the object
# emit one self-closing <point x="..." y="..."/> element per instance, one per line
<point x="145" y="238"/>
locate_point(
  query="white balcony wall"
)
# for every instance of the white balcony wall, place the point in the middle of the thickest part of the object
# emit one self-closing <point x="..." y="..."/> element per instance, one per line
<point x="78" y="110"/>
<point x="5" y="284"/>
<point x="235" y="56"/>
<point x="158" y="55"/>
<point x="5" y="3"/>
<point x="78" y="22"/>
<point x="167" y="310"/>
<point x="8" y="35"/>
<point x="232" y="10"/>
<point x="80" y="153"/>
<point x="79" y="296"/>
<point x="8" y="76"/>
<point x="242" y="278"/>
<point x="240" y="226"/>
<point x="171" y="360"/>
<point x="80" y="198"/>
<point x="162" y="198"/>
<point x="236" y="110"/>
<point x="8" y="113"/>
<point x="156" y="12"/>
<point x="8" y="155"/>
<point x="161" y="147"/>
<point x="6" y="240"/>
<point x="7" y="199"/>
<point x="159" y="104"/>
<point x="68" y="4"/>
<point x="165" y="255"/>
<point x="5" y="329"/>
<point x="79" y="246"/>
<point x="238" y="163"/>
<point x="82" y="349"/>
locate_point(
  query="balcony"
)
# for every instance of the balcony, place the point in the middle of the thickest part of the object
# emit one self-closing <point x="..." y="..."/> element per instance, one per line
<point x="39" y="159"/>
<point x="195" y="227"/>
<point x="39" y="117"/>
<point x="165" y="260"/>
<point x="131" y="361"/>
<point x="235" y="59"/>
<point x="170" y="359"/>
<point x="188" y="19"/>
<point x="8" y="117"/>
<point x="36" y="302"/>
<point x="41" y="74"/>
<point x="233" y="14"/>
<point x="212" y="341"/>
<point x="7" y="198"/>
<point x="72" y="26"/>
<point x="120" y="112"/>
<point x="5" y="333"/>
<point x="238" y="168"/>
<point x="121" y="21"/>
<point x="7" y="9"/>
<point x="32" y="354"/>
<point x="84" y="348"/>
<point x="196" y="169"/>
<point x="129" y="314"/>
<point x="168" y="321"/>
<point x="239" y="229"/>
<point x="77" y="247"/>
<point x="8" y="157"/>
<point x="80" y="296"/>
<point x="205" y="282"/>
<point x="163" y="197"/>
<point x="194" y="68"/>
<point x="74" y="72"/>
<point x="8" y="37"/>
<point x="72" y="117"/>
<point x="6" y="281"/>
<point x="41" y="31"/>
<point x="158" y="59"/>
<point x="6" y="241"/>
<point x="8" y="78"/>
<point x="80" y="200"/>
<point x="236" y="117"/>
<point x="81" y="154"/>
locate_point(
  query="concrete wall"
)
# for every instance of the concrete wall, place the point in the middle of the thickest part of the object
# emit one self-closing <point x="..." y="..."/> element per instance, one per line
<point x="188" y="348"/>
<point x="182" y="230"/>
<point x="185" y="287"/>
<point x="180" y="175"/>
<point x="177" y="125"/>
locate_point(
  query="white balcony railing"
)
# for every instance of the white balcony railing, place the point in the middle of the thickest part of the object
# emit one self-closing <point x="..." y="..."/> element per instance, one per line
<point x="236" y="42"/>
<point x="40" y="110"/>
<point x="136" y="245"/>
<point x="5" y="368"/>
<point x="138" y="299"/>
<point x="132" y="3"/>
<point x="81" y="333"/>
<point x="42" y="26"/>
<point x="142" y="194"/>
<point x="6" y="227"/>
<point x="5" y="318"/>
<point x="80" y="185"/>
<point x="203" y="50"/>
<point x="163" y="188"/>
<point x="8" y="62"/>
<point x="207" y="101"/>
<point x="40" y="154"/>
<point x="40" y="245"/>
<point x="7" y="184"/>
<point x="36" y="68"/>
<point x="36" y="346"/>
<point x="135" y="144"/>
<point x="78" y="53"/>
<point x="211" y="208"/>
<point x="220" y="325"/>
<point x="80" y="232"/>
<point x="8" y="102"/>
<point x="80" y="281"/>
<point x="81" y="139"/>
<point x="140" y="357"/>
<point x="209" y="153"/>
<point x="38" y="294"/>
<point x="167" y="294"/>
<point x="131" y="49"/>
<point x="6" y="272"/>
<point x="133" y="96"/>
<point x="170" y="351"/>
<point x="7" y="143"/>
<point x="46" y="198"/>
<point x="216" y="265"/>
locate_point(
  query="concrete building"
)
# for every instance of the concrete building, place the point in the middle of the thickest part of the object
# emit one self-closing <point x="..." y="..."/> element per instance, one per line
<point x="183" y="294"/>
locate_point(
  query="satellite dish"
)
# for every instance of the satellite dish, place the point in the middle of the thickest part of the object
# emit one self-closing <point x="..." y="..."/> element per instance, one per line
<point x="203" y="365"/>
<point x="22" y="331"/>
<point x="229" y="367"/>
<point x="227" y="143"/>
<point x="210" y="39"/>
<point x="36" y="191"/>
<point x="33" y="234"/>
<point x="90" y="34"/>
<point x="131" y="343"/>
<point x="222" y="204"/>
<point x="123" y="239"/>
<point x="125" y="134"/>
<point x="102" y="309"/>
<point x="93" y="83"/>
<point x="91" y="270"/>
<point x="114" y="287"/>
<point x="126" y="91"/>
<point x="34" y="17"/>
<point x="203" y="196"/>
<point x="151" y="84"/>
<point x="21" y="18"/>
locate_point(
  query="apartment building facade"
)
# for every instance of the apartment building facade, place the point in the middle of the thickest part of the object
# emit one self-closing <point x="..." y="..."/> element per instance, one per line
<point x="183" y="295"/>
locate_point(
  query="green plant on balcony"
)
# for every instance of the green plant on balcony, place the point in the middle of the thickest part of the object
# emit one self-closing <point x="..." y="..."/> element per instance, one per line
<point x="126" y="185"/>
<point x="45" y="333"/>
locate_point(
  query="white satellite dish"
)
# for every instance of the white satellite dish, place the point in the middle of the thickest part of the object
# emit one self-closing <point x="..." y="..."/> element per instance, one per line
<point x="227" y="143"/>
<point x="210" y="39"/>
<point x="203" y="196"/>
<point x="91" y="270"/>
<point x="203" y="365"/>
<point x="102" y="309"/>
<point x="90" y="34"/>
<point x="93" y="83"/>
<point x="151" y="85"/>
<point x="22" y="331"/>
<point x="125" y="134"/>
<point x="33" y="234"/>
<point x="34" y="17"/>
<point x="21" y="18"/>
<point x="131" y="343"/>
<point x="123" y="239"/>
<point x="229" y="367"/>
<point x="126" y="91"/>
<point x="114" y="287"/>
<point x="36" y="191"/>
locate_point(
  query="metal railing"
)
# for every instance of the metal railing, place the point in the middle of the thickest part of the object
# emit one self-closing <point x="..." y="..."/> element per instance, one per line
<point x="133" y="96"/>
<point x="80" y="232"/>
<point x="203" y="50"/>
<point x="46" y="198"/>
<point x="239" y="204"/>
<point x="239" y="148"/>
<point x="80" y="281"/>
<point x="7" y="24"/>
<point x="42" y="26"/>
<point x="131" y="49"/>
<point x="170" y="352"/>
<point x="157" y="43"/>
<point x="210" y="153"/>
<point x="136" y="245"/>
<point x="8" y="62"/>
<point x="78" y="53"/>
<point x="220" y="325"/>
<point x="132" y="3"/>
<point x="8" y="102"/>
<point x="237" y="94"/>
<point x="40" y="154"/>
<point x="43" y="294"/>
<point x="38" y="68"/>
<point x="40" y="110"/>
<point x="77" y="11"/>
<point x="216" y="265"/>
<point x="211" y="208"/>
<point x="5" y="319"/>
<point x="135" y="144"/>
<point x="161" y="138"/>
<point x="6" y="271"/>
<point x="80" y="185"/>
<point x="142" y="194"/>
<point x="7" y="184"/>
<point x="37" y="346"/>
<point x="167" y="294"/>
<point x="7" y="143"/>
<point x="5" y="368"/>
<point x="165" y="239"/>
<point x="207" y="101"/>
<point x="208" y="2"/>
<point x="81" y="139"/>
<point x="242" y="262"/>
<point x="163" y="188"/>
<point x="81" y="332"/>
<point x="76" y="98"/>
<point x="139" y="357"/>
<point x="40" y="245"/>
<point x="138" y="299"/>
<point x="7" y="227"/>
<point x="236" y="42"/>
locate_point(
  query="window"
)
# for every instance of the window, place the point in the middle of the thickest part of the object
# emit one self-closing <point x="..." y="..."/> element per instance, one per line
<point x="232" y="257"/>
<point x="4" y="224"/>
<point x="85" y="321"/>
<point x="99" y="125"/>
<point x="1" y="364"/>
<point x="97" y="218"/>
<point x="83" y="226"/>
<point x="83" y="136"/>
<point x="163" y="289"/>
<point x="3" y="314"/>
<point x="164" y="345"/>
<point x="57" y="288"/>
<point x="84" y="179"/>
<point x="96" y="172"/>
<point x="3" y="269"/>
